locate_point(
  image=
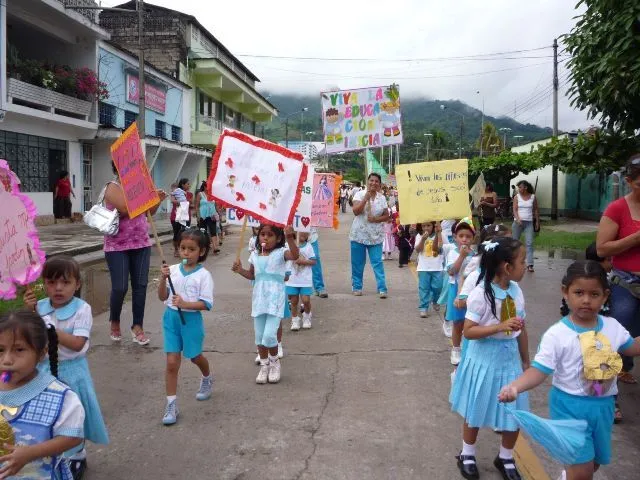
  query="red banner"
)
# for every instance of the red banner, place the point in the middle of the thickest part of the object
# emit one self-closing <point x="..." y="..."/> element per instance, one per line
<point x="155" y="98"/>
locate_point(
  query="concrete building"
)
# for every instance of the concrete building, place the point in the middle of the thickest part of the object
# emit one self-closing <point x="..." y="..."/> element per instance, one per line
<point x="223" y="89"/>
<point x="313" y="152"/>
<point x="45" y="125"/>
<point x="167" y="121"/>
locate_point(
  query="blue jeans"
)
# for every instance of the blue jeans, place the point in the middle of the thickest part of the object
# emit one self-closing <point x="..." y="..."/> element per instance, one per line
<point x="266" y="329"/>
<point x="316" y="270"/>
<point x="359" y="258"/>
<point x="429" y="286"/>
<point x="626" y="309"/>
<point x="122" y="265"/>
<point x="527" y="228"/>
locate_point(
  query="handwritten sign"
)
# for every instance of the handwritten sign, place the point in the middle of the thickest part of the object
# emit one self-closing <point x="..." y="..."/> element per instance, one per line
<point x="324" y="200"/>
<point x="139" y="191"/>
<point x="477" y="191"/>
<point x="361" y="118"/>
<point x="21" y="258"/>
<point x="257" y="177"/>
<point x="433" y="191"/>
<point x="301" y="219"/>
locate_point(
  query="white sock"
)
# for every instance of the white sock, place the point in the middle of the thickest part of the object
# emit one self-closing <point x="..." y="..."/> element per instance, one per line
<point x="506" y="454"/>
<point x="468" y="449"/>
<point x="280" y="344"/>
<point x="264" y="361"/>
<point x="171" y="398"/>
<point x="307" y="315"/>
<point x="273" y="359"/>
<point x="81" y="455"/>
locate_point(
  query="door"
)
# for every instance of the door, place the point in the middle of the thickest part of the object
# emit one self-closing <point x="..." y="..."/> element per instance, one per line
<point x="87" y="175"/>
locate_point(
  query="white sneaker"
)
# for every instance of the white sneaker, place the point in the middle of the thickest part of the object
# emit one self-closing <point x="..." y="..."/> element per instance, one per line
<point x="295" y="324"/>
<point x="263" y="373"/>
<point x="306" y="321"/>
<point x="280" y="351"/>
<point x="447" y="329"/>
<point x="274" y="370"/>
<point x="206" y="388"/>
<point x="423" y="314"/>
<point x="453" y="376"/>
<point x="170" y="413"/>
<point x="383" y="294"/>
<point x="455" y="355"/>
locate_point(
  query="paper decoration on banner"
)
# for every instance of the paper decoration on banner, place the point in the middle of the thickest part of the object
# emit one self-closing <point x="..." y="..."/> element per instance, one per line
<point x="433" y="191"/>
<point x="477" y="191"/>
<point x="361" y="118"/>
<point x="259" y="178"/>
<point x="139" y="190"/>
<point x="302" y="218"/>
<point x="21" y="258"/>
<point x="323" y="207"/>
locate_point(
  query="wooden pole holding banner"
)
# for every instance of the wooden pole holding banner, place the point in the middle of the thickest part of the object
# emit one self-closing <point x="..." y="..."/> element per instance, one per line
<point x="241" y="241"/>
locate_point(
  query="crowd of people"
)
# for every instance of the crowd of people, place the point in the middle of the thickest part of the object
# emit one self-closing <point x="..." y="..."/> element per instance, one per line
<point x="470" y="271"/>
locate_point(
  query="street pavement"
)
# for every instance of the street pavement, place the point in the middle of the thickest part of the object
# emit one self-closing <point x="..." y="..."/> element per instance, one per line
<point x="363" y="395"/>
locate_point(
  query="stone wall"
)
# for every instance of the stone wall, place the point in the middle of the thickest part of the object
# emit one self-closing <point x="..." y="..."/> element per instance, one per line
<point x="163" y="38"/>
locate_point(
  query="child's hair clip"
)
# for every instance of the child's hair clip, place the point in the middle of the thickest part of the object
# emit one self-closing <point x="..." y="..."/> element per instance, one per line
<point x="489" y="246"/>
<point x="497" y="227"/>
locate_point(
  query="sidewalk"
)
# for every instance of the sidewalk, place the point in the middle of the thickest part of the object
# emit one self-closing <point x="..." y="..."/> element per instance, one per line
<point x="76" y="239"/>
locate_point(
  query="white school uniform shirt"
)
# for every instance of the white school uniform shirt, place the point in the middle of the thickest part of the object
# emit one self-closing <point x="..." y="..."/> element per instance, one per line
<point x="559" y="353"/>
<point x="470" y="282"/>
<point x="301" y="275"/>
<point x="252" y="243"/>
<point x="75" y="318"/>
<point x="452" y="257"/>
<point x="193" y="286"/>
<point x="426" y="261"/>
<point x="479" y="310"/>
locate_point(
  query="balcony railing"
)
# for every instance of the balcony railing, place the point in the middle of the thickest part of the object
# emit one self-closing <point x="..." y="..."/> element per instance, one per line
<point x="90" y="14"/>
<point x="206" y="122"/>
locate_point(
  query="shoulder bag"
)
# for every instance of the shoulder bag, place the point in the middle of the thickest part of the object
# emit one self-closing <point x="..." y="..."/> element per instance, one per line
<point x="101" y="218"/>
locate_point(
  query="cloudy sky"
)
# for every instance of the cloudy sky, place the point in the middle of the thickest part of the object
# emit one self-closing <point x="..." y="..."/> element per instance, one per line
<point x="432" y="48"/>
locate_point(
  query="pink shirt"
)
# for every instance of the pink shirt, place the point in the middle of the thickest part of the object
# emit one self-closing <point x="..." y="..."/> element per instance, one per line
<point x="132" y="234"/>
<point x="619" y="212"/>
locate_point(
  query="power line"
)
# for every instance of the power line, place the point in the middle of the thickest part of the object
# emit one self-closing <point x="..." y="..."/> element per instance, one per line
<point x="426" y="59"/>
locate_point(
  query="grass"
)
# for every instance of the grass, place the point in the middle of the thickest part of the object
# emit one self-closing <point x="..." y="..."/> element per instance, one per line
<point x="548" y="239"/>
<point x="17" y="303"/>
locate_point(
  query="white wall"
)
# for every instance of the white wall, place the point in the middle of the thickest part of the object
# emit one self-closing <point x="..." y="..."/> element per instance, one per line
<point x="74" y="163"/>
<point x="187" y="98"/>
<point x="543" y="190"/>
<point x="43" y="202"/>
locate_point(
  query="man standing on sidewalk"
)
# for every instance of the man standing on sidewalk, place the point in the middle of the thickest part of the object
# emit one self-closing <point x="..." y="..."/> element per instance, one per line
<point x="318" y="279"/>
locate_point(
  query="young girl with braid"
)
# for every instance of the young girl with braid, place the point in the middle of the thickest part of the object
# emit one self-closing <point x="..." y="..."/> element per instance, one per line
<point x="40" y="417"/>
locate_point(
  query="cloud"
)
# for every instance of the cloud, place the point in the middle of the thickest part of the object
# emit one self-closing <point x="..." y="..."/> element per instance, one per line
<point x="519" y="85"/>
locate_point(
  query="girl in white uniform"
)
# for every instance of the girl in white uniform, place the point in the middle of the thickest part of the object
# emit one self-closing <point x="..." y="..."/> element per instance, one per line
<point x="582" y="352"/>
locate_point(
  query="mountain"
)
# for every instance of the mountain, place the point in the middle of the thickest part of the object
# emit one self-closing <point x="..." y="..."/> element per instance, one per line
<point x="419" y="116"/>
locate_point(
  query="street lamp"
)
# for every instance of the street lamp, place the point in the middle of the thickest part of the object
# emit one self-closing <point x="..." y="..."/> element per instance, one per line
<point x="417" y="145"/>
<point x="428" y="135"/>
<point x="505" y="130"/>
<point x="286" y="124"/>
<point x="518" y="138"/>
<point x="443" y="108"/>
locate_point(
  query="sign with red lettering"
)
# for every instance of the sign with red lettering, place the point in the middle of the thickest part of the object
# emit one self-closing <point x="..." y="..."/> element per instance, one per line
<point x="155" y="98"/>
<point x="139" y="190"/>
<point x="21" y="258"/>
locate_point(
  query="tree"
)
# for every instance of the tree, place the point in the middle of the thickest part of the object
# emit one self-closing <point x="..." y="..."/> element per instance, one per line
<point x="491" y="140"/>
<point x="604" y="63"/>
<point x="505" y="165"/>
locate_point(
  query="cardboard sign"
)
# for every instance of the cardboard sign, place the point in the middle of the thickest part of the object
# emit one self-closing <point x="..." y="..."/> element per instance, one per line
<point x="21" y="258"/>
<point x="302" y="218"/>
<point x="477" y="191"/>
<point x="361" y="118"/>
<point x="139" y="191"/>
<point x="433" y="191"/>
<point x="256" y="177"/>
<point x="324" y="200"/>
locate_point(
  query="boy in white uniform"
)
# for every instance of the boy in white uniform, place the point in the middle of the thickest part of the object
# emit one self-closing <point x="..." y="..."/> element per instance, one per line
<point x="300" y="283"/>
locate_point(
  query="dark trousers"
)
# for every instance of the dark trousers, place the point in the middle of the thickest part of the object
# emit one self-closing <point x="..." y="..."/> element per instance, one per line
<point x="405" y="253"/>
<point x="210" y="226"/>
<point x="122" y="265"/>
<point x="62" y="207"/>
<point x="625" y="308"/>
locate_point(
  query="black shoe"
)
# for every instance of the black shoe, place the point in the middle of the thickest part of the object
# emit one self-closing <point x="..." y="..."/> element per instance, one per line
<point x="469" y="470"/>
<point x="323" y="295"/>
<point x="507" y="473"/>
<point x="78" y="467"/>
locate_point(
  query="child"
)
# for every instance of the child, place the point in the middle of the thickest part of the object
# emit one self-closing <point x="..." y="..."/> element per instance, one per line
<point x="46" y="417"/>
<point x="405" y="247"/>
<point x="388" y="243"/>
<point x="72" y="319"/>
<point x="496" y="350"/>
<point x="267" y="267"/>
<point x="582" y="352"/>
<point x="193" y="293"/>
<point x="300" y="284"/>
<point x="429" y="266"/>
<point x="456" y="261"/>
<point x="253" y="239"/>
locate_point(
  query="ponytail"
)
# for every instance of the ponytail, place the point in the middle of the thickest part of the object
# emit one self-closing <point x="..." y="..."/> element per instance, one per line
<point x="53" y="349"/>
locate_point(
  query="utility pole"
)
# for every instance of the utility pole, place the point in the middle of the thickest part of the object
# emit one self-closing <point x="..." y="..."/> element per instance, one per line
<point x="141" y="84"/>
<point x="554" y="171"/>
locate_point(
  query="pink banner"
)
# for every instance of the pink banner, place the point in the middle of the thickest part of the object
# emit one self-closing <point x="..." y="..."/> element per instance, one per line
<point x="139" y="191"/>
<point x="21" y="258"/>
<point x="155" y="98"/>
<point x="323" y="201"/>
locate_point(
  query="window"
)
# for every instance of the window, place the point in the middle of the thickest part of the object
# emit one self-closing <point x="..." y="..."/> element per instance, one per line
<point x="176" y="134"/>
<point x="129" y="118"/>
<point x="107" y="114"/>
<point x="160" y="129"/>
